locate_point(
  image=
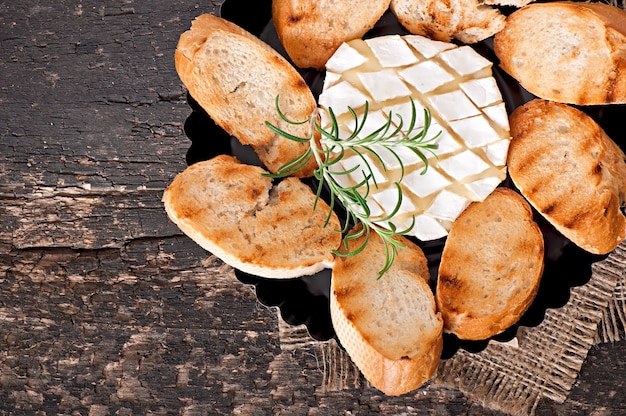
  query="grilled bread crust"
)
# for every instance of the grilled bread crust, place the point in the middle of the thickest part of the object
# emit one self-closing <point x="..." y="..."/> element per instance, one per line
<point x="491" y="266"/>
<point x="468" y="21"/>
<point x="240" y="216"/>
<point x="561" y="62"/>
<point x="237" y="78"/>
<point x="571" y="172"/>
<point x="312" y="30"/>
<point x="389" y="327"/>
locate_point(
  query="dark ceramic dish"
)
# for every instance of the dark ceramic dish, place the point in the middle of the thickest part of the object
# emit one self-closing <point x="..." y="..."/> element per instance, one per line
<point x="305" y="300"/>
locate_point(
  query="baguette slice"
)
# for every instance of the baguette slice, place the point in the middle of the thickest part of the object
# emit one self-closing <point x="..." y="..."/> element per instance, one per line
<point x="389" y="327"/>
<point x="312" y="30"/>
<point x="236" y="78"/>
<point x="567" y="52"/>
<point x="469" y="21"/>
<point x="571" y="172"/>
<point x="490" y="267"/>
<point x="229" y="209"/>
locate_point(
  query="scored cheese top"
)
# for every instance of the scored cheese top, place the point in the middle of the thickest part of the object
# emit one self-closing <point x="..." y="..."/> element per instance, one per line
<point x="456" y="84"/>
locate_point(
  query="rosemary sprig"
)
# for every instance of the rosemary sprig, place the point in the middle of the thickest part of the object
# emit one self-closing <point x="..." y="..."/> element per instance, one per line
<point x="331" y="149"/>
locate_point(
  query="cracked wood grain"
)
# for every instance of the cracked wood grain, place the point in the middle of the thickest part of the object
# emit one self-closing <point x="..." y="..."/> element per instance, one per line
<point x="118" y="328"/>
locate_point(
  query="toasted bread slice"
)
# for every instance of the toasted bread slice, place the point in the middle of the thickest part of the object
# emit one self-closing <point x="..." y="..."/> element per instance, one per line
<point x="571" y="172"/>
<point x="491" y="266"/>
<point x="236" y="78"/>
<point x="312" y="30"/>
<point x="235" y="213"/>
<point x="389" y="327"/>
<point x="469" y="21"/>
<point x="567" y="52"/>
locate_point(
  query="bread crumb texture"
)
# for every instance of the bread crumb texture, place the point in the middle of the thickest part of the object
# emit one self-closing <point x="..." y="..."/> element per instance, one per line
<point x="236" y="78"/>
<point x="230" y="209"/>
<point x="311" y="31"/>
<point x="390" y="327"/>
<point x="580" y="60"/>
<point x="491" y="266"/>
<point x="571" y="172"/>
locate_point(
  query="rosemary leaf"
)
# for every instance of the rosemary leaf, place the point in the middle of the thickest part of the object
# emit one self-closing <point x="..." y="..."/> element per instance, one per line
<point x="329" y="150"/>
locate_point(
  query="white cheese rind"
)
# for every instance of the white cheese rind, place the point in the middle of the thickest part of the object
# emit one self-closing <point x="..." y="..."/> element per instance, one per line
<point x="341" y="96"/>
<point x="498" y="152"/>
<point x="464" y="60"/>
<point x="497" y="113"/>
<point x="454" y="105"/>
<point x="482" y="91"/>
<point x="426" y="76"/>
<point x="476" y="131"/>
<point x="425" y="182"/>
<point x="463" y="165"/>
<point x="404" y="112"/>
<point x="391" y="51"/>
<point x="373" y="122"/>
<point x="447" y="206"/>
<point x="446" y="143"/>
<point x="481" y="188"/>
<point x="427" y="228"/>
<point x="383" y="85"/>
<point x="426" y="47"/>
<point x="392" y="156"/>
<point x="467" y="114"/>
<point x="330" y="79"/>
<point x="375" y="210"/>
<point x="362" y="166"/>
<point x="388" y="200"/>
<point x="344" y="59"/>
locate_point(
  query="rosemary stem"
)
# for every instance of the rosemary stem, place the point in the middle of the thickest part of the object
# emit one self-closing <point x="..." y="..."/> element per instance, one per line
<point x="328" y="148"/>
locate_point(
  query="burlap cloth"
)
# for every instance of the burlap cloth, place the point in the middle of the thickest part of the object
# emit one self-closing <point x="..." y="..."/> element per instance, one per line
<point x="542" y="361"/>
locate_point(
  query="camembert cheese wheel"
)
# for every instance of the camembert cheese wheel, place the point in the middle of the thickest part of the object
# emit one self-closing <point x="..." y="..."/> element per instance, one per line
<point x="457" y="86"/>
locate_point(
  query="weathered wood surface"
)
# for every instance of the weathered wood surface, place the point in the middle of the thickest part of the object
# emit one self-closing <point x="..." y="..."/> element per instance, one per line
<point x="105" y="308"/>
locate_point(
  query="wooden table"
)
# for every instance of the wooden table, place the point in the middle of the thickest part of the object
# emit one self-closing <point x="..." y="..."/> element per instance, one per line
<point x="105" y="307"/>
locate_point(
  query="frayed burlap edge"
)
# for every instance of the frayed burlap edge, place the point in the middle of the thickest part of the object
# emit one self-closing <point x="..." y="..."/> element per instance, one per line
<point x="541" y="362"/>
<point x="612" y="327"/>
<point x="338" y="370"/>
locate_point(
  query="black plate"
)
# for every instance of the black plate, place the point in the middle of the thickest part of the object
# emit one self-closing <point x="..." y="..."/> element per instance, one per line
<point x="305" y="300"/>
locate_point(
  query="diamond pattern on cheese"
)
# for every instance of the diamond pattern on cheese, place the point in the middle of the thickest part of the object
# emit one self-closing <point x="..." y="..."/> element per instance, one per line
<point x="391" y="51"/>
<point x="437" y="77"/>
<point x="456" y="84"/>
<point x="384" y="85"/>
<point x="346" y="58"/>
<point x="426" y="47"/>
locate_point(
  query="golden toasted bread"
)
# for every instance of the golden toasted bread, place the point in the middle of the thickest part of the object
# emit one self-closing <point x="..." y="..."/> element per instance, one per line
<point x="571" y="172"/>
<point x="468" y="21"/>
<point x="237" y="214"/>
<point x="491" y="266"/>
<point x="389" y="327"/>
<point x="567" y="52"/>
<point x="236" y="78"/>
<point x="312" y="30"/>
